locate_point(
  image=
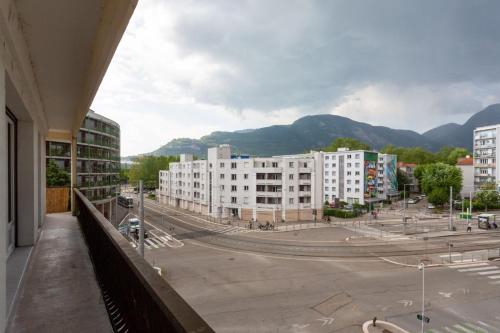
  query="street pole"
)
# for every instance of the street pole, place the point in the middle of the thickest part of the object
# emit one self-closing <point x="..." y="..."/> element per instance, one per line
<point x="404" y="209"/>
<point x="450" y="226"/>
<point x="422" y="266"/>
<point x="141" y="219"/>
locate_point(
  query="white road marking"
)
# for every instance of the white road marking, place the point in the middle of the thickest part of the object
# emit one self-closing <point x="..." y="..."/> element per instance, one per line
<point x="150" y="243"/>
<point x="406" y="302"/>
<point x="484" y="268"/>
<point x="494" y="282"/>
<point x="469" y="265"/>
<point x="476" y="328"/>
<point x="487" y="325"/>
<point x="464" y="329"/>
<point x="453" y="255"/>
<point x="450" y="330"/>
<point x="494" y="277"/>
<point x="489" y="272"/>
<point x="446" y="295"/>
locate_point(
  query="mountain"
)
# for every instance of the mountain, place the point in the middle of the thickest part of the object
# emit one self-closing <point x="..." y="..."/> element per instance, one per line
<point x="306" y="133"/>
<point x="461" y="135"/>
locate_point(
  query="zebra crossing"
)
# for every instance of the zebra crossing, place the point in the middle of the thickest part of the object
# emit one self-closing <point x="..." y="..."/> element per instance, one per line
<point x="480" y="269"/>
<point x="479" y="326"/>
<point x="229" y="230"/>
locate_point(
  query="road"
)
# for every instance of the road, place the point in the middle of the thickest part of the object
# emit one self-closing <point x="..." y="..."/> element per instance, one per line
<point x="279" y="285"/>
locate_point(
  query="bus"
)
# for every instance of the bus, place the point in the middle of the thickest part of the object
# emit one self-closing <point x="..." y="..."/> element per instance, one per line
<point x="127" y="202"/>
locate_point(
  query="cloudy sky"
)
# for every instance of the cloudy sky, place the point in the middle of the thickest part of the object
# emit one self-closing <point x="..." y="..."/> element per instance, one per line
<point x="187" y="68"/>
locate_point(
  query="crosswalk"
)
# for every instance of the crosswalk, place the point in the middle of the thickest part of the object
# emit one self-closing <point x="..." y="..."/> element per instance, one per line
<point x="480" y="269"/>
<point x="479" y="326"/>
<point x="229" y="230"/>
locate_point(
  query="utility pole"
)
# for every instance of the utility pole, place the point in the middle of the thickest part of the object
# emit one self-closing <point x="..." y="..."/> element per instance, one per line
<point x="422" y="268"/>
<point x="141" y="219"/>
<point x="450" y="223"/>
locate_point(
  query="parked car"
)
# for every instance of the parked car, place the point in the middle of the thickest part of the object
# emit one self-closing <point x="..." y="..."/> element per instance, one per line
<point x="412" y="201"/>
<point x="430" y="206"/>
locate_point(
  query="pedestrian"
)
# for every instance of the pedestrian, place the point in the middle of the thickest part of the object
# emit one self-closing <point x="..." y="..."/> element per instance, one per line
<point x="469" y="227"/>
<point x="495" y="225"/>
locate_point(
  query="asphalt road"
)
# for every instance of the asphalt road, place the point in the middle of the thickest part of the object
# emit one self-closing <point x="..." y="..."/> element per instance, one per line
<point x="305" y="281"/>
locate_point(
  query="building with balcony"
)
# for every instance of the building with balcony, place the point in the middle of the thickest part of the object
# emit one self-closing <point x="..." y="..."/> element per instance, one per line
<point x="408" y="169"/>
<point x="263" y="189"/>
<point x="358" y="176"/>
<point x="65" y="272"/>
<point x="485" y="154"/>
<point x="98" y="160"/>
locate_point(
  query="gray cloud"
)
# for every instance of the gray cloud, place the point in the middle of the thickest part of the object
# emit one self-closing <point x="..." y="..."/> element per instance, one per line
<point x="304" y="54"/>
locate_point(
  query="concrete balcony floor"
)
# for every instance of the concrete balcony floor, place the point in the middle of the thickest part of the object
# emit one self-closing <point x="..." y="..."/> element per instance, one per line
<point x="59" y="291"/>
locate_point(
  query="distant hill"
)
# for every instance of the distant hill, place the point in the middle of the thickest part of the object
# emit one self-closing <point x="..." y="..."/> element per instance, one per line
<point x="461" y="135"/>
<point x="309" y="132"/>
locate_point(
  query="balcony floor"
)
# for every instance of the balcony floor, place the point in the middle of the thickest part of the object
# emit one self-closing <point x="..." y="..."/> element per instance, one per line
<point x="59" y="291"/>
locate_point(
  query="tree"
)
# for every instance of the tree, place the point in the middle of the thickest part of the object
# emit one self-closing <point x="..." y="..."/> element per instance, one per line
<point x="350" y="143"/>
<point x="56" y="176"/>
<point x="420" y="155"/>
<point x="455" y="154"/>
<point x="436" y="180"/>
<point x="402" y="179"/>
<point x="147" y="168"/>
<point x="487" y="196"/>
<point x="124" y="176"/>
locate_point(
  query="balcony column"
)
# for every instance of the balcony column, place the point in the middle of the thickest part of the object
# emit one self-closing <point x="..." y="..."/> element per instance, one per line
<point x="73" y="173"/>
<point x="4" y="194"/>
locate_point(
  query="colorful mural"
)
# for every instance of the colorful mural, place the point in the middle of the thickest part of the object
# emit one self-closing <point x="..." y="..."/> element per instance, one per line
<point x="391" y="173"/>
<point x="371" y="174"/>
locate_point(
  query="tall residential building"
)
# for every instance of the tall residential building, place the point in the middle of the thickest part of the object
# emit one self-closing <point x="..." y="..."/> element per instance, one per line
<point x="98" y="159"/>
<point x="486" y="153"/>
<point x="265" y="189"/>
<point x="359" y="176"/>
<point x="408" y="169"/>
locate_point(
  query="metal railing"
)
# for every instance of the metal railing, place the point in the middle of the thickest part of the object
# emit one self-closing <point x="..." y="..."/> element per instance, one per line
<point x="146" y="302"/>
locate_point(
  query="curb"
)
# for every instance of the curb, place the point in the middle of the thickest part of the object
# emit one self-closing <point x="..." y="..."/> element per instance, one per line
<point x="384" y="325"/>
<point x="436" y="265"/>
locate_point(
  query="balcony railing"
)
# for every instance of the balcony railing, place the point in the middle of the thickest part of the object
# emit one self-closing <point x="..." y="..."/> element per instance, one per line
<point x="146" y="302"/>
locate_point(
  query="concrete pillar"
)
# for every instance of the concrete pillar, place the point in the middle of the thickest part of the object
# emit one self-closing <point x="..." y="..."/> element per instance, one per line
<point x="3" y="199"/>
<point x="109" y="210"/>
<point x="28" y="164"/>
<point x="73" y="173"/>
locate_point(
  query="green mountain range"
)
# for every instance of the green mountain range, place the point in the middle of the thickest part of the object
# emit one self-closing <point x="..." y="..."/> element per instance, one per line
<point x="317" y="131"/>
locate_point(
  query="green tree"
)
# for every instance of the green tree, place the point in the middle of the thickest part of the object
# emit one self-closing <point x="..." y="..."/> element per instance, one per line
<point x="420" y="155"/>
<point x="455" y="154"/>
<point x="124" y="175"/>
<point x="147" y="168"/>
<point x="487" y="196"/>
<point x="436" y="180"/>
<point x="56" y="176"/>
<point x="350" y="143"/>
<point x="402" y="179"/>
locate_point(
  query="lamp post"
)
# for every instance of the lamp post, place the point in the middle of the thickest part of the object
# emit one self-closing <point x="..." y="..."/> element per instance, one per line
<point x="421" y="267"/>
<point x="404" y="207"/>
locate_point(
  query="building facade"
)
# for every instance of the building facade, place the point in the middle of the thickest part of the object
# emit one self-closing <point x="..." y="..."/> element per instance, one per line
<point x="466" y="165"/>
<point x="264" y="189"/>
<point x="358" y="176"/>
<point x="486" y="154"/>
<point x="98" y="160"/>
<point x="408" y="169"/>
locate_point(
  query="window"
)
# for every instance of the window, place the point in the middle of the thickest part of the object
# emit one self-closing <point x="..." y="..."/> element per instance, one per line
<point x="290" y="176"/>
<point x="233" y="188"/>
<point x="274" y="164"/>
<point x="222" y="187"/>
<point x="290" y="189"/>
<point x="349" y="157"/>
<point x="290" y="201"/>
<point x="348" y="189"/>
<point x="234" y="200"/>
<point x="334" y="181"/>
<point x="356" y="182"/>
<point x="221" y="164"/>
<point x="221" y="176"/>
<point x="334" y="173"/>
<point x="233" y="165"/>
<point x="348" y="181"/>
<point x="334" y="165"/>
<point x="326" y="173"/>
<point x="327" y="181"/>
<point x="327" y="189"/>
<point x="245" y="200"/>
<point x="356" y="190"/>
<point x="357" y="173"/>
<point x="233" y="176"/>
<point x="290" y="164"/>
<point x="245" y="188"/>
<point x="334" y="157"/>
<point x="348" y="165"/>
<point x="348" y="173"/>
<point x="357" y="156"/>
<point x="245" y="176"/>
<point x="334" y="189"/>
<point x="327" y="165"/>
<point x="327" y="157"/>
<point x="357" y="164"/>
<point x="305" y="164"/>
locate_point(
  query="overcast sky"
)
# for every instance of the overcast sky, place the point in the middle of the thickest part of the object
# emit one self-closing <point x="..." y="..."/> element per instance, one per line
<point x="187" y="68"/>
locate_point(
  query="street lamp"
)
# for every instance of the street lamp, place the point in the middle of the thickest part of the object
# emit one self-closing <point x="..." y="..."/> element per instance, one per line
<point x="421" y="267"/>
<point x="404" y="207"/>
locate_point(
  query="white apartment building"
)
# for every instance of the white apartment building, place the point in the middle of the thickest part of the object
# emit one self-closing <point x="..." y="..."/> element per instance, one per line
<point x="486" y="153"/>
<point x="266" y="189"/>
<point x="356" y="176"/>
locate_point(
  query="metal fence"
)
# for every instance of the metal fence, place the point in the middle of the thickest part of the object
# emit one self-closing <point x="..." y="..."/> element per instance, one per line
<point x="137" y="298"/>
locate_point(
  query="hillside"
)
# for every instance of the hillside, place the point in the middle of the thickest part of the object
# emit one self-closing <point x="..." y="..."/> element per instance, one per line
<point x="461" y="135"/>
<point x="309" y="132"/>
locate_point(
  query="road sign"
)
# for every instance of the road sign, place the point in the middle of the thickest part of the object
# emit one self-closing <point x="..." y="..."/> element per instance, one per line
<point x="426" y="319"/>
